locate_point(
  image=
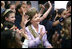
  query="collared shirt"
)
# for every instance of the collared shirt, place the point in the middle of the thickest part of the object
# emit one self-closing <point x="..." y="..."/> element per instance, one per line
<point x="34" y="42"/>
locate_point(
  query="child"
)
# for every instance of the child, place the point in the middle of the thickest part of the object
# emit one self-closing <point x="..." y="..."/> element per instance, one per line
<point x="8" y="23"/>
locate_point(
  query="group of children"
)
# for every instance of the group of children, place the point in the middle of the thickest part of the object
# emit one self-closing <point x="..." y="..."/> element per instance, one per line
<point x="21" y="28"/>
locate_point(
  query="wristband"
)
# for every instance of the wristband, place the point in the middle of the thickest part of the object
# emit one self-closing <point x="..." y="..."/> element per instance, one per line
<point x="61" y="19"/>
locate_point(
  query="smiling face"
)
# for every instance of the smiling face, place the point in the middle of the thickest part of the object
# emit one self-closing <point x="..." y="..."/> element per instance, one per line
<point x="11" y="17"/>
<point x="35" y="19"/>
<point x="33" y="15"/>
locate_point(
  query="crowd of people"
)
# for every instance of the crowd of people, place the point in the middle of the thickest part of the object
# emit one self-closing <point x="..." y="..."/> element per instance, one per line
<point x="23" y="26"/>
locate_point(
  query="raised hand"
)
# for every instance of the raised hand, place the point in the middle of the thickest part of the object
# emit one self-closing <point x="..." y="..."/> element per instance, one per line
<point x="66" y="15"/>
<point x="26" y="19"/>
<point x="42" y="6"/>
<point x="24" y="34"/>
<point x="41" y="33"/>
<point x="49" y="3"/>
<point x="47" y="12"/>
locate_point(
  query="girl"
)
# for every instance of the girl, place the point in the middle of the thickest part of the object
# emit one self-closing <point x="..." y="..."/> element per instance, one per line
<point x="8" y="23"/>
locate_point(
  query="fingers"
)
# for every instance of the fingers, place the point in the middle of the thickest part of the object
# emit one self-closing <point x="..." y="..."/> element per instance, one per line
<point x="27" y="17"/>
<point x="48" y="1"/>
<point x="42" y="6"/>
<point x="24" y="34"/>
<point x="41" y="30"/>
<point x="68" y="14"/>
<point x="44" y="33"/>
<point x="25" y="22"/>
<point x="41" y="33"/>
<point x="29" y="20"/>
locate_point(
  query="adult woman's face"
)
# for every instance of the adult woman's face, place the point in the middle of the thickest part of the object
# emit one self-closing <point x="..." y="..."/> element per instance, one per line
<point x="35" y="19"/>
<point x="11" y="17"/>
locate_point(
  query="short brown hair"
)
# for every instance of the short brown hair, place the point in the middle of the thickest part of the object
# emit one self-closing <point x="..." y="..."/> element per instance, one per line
<point x="31" y="12"/>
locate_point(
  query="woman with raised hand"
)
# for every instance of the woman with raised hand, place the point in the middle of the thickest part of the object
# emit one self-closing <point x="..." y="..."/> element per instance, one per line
<point x="36" y="33"/>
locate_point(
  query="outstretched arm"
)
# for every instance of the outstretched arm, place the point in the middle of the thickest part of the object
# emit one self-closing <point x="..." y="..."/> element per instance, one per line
<point x="42" y="10"/>
<point x="47" y="12"/>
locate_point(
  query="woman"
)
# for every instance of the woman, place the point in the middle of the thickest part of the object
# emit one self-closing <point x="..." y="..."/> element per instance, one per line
<point x="36" y="32"/>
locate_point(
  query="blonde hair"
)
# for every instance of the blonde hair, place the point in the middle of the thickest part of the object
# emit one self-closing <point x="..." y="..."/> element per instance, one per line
<point x="65" y="29"/>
